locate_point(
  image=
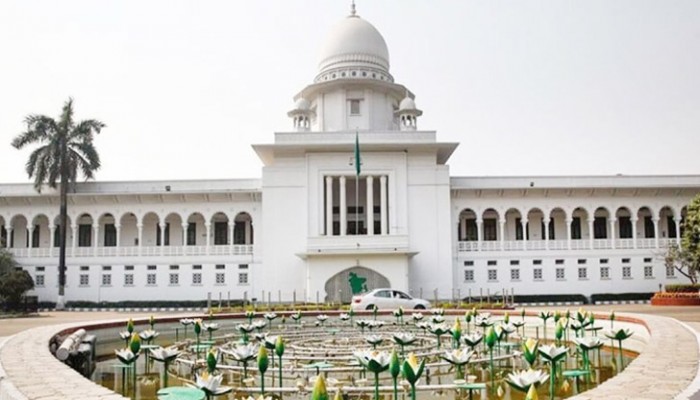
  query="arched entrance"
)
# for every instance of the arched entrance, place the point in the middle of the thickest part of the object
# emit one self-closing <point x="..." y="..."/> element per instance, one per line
<point x="341" y="286"/>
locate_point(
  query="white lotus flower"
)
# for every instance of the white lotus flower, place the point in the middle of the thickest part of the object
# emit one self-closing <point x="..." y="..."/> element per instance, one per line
<point x="165" y="354"/>
<point x="552" y="353"/>
<point x="374" y="361"/>
<point x="437" y="319"/>
<point x="404" y="338"/>
<point x="375" y="324"/>
<point x="522" y="380"/>
<point x="483" y="320"/>
<point x="508" y="328"/>
<point x="589" y="343"/>
<point x="322" y="317"/>
<point x="126" y="356"/>
<point x="259" y="324"/>
<point x="125" y="335"/>
<point x="458" y="356"/>
<point x="245" y="352"/>
<point x="208" y="382"/>
<point x="270" y="316"/>
<point x="374" y="339"/>
<point x="210" y="327"/>
<point x="417" y="316"/>
<point x="344" y="317"/>
<point x="148" y="335"/>
<point x="187" y="321"/>
<point x="438" y="311"/>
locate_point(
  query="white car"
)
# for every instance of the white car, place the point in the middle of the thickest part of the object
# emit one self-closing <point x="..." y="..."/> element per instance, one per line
<point x="387" y="299"/>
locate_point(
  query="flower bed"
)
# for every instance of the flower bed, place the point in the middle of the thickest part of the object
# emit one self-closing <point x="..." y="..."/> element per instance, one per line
<point x="675" y="299"/>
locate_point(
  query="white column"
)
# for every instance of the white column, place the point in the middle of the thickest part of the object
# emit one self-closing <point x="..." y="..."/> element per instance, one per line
<point x="383" y="208"/>
<point x="678" y="230"/>
<point x="502" y="223"/>
<point x="161" y="226"/>
<point x="612" y="233"/>
<point x="343" y="207"/>
<point x="463" y="228"/>
<point x="479" y="225"/>
<point x="370" y="205"/>
<point x="568" y="233"/>
<point x="634" y="232"/>
<point x="30" y="232"/>
<point x="96" y="233"/>
<point x="140" y="228"/>
<point x="184" y="234"/>
<point x="207" y="225"/>
<point x="590" y="232"/>
<point x="329" y="206"/>
<point x="523" y="223"/>
<point x="248" y="239"/>
<point x="546" y="233"/>
<point x="656" y="232"/>
<point x="74" y="229"/>
<point x="117" y="228"/>
<point x="52" y="232"/>
<point x="231" y="224"/>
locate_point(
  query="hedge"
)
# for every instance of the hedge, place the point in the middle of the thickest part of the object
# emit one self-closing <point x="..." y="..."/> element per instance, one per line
<point x="683" y="288"/>
<point x="550" y="298"/>
<point x="599" y="297"/>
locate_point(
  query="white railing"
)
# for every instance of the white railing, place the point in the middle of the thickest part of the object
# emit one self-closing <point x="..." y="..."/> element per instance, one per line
<point x="646" y="243"/>
<point x="602" y="244"/>
<point x="536" y="245"/>
<point x="558" y="244"/>
<point x="665" y="242"/>
<point x="511" y="245"/>
<point x="134" y="251"/>
<point x="468" y="246"/>
<point x="490" y="245"/>
<point x="624" y="243"/>
<point x="580" y="244"/>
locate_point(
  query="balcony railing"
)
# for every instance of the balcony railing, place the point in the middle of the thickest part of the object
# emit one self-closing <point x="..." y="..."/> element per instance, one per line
<point x="135" y="251"/>
<point x="575" y="244"/>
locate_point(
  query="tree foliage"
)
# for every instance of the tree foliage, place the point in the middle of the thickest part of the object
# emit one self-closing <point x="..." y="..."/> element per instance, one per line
<point x="14" y="283"/>
<point x="686" y="258"/>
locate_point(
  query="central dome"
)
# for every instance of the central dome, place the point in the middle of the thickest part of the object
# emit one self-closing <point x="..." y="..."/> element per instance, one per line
<point x="354" y="43"/>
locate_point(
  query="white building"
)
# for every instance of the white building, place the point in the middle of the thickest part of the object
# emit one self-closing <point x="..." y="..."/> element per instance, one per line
<point x="310" y="221"/>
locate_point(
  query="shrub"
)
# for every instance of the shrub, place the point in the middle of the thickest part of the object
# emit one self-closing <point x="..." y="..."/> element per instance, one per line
<point x="683" y="288"/>
<point x="599" y="297"/>
<point x="675" y="295"/>
<point x="550" y="298"/>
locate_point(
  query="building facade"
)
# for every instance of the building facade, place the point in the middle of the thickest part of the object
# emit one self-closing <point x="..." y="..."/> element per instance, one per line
<point x="315" y="217"/>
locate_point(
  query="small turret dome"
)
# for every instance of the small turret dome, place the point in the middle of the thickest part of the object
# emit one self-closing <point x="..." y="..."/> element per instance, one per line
<point x="302" y="104"/>
<point x="407" y="104"/>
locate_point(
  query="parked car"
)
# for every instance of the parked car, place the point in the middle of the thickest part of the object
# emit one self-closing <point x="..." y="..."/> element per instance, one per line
<point x="387" y="299"/>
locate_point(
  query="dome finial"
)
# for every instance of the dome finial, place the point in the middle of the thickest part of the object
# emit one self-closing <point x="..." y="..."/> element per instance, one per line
<point x="353" y="12"/>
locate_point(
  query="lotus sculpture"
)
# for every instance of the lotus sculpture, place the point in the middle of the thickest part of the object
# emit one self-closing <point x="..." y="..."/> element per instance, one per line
<point x="375" y="362"/>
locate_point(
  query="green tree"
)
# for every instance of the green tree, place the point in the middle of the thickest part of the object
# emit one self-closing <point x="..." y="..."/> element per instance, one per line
<point x="686" y="257"/>
<point x="65" y="148"/>
<point x="14" y="283"/>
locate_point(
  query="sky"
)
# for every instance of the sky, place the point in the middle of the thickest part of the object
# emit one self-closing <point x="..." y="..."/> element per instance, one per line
<point x="596" y="87"/>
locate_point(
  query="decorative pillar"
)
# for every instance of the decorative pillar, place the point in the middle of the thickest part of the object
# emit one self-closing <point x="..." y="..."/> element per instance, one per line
<point x="502" y="223"/>
<point x="546" y="233"/>
<point x="118" y="232"/>
<point x="523" y="223"/>
<point x="96" y="234"/>
<point x="479" y="225"/>
<point x="343" y="207"/>
<point x="678" y="229"/>
<point x="52" y="232"/>
<point x="591" y="236"/>
<point x="248" y="238"/>
<point x="74" y="229"/>
<point x="656" y="232"/>
<point x="208" y="226"/>
<point x="568" y="233"/>
<point x="612" y="233"/>
<point x="370" y="205"/>
<point x="140" y="228"/>
<point x="231" y="225"/>
<point x="329" y="206"/>
<point x="383" y="210"/>
<point x="634" y="233"/>
<point x="161" y="226"/>
<point x="30" y="232"/>
<point x="184" y="234"/>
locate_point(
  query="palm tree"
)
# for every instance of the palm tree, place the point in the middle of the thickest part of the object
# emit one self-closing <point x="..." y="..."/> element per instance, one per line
<point x="64" y="148"/>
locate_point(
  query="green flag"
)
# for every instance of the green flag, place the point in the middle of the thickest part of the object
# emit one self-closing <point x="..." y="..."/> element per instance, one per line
<point x="357" y="154"/>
